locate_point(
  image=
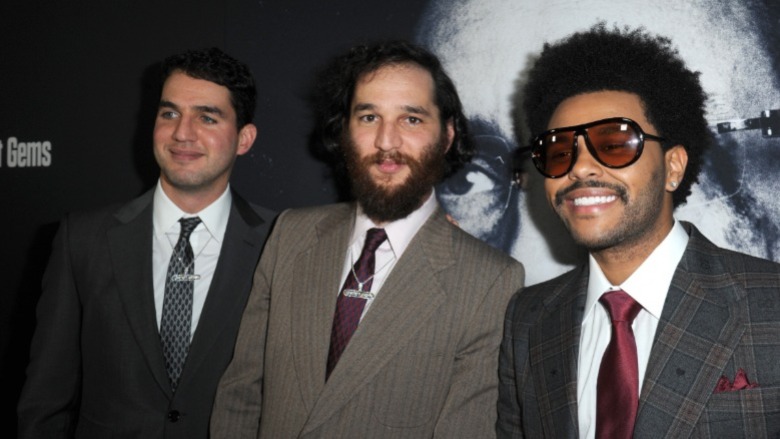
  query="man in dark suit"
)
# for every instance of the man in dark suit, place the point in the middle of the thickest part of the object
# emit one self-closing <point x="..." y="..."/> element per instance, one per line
<point x="426" y="299"/>
<point x="660" y="333"/>
<point x="128" y="344"/>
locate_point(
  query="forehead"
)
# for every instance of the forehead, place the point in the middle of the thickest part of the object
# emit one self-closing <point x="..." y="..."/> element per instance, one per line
<point x="184" y="90"/>
<point x="395" y="84"/>
<point x="588" y="107"/>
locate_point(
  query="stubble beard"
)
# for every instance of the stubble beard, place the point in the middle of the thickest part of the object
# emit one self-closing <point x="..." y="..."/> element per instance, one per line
<point x="637" y="223"/>
<point x="384" y="203"/>
<point x="197" y="180"/>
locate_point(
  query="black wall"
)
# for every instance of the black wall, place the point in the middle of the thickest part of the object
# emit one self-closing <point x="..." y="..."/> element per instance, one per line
<point x="82" y="76"/>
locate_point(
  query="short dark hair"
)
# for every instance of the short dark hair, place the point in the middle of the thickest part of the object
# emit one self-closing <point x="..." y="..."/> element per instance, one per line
<point x="627" y="60"/>
<point x="336" y="86"/>
<point x="220" y="68"/>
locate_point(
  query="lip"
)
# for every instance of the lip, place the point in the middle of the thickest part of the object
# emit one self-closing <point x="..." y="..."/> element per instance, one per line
<point x="184" y="155"/>
<point x="389" y="166"/>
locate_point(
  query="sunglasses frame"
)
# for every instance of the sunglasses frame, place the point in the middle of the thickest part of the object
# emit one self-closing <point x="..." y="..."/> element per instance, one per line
<point x="581" y="130"/>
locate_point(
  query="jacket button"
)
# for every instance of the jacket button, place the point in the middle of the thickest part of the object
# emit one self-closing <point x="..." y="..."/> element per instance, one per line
<point x="173" y="415"/>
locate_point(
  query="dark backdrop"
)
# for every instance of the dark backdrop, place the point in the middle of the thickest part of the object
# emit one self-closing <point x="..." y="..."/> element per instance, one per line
<point x="83" y="76"/>
<point x="81" y="79"/>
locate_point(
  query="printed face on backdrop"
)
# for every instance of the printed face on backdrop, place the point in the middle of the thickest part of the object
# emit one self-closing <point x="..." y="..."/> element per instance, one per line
<point x="395" y="143"/>
<point x="487" y="45"/>
<point x="196" y="140"/>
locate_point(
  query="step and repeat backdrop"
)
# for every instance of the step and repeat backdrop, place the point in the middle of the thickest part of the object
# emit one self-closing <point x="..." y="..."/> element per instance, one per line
<point x="79" y="86"/>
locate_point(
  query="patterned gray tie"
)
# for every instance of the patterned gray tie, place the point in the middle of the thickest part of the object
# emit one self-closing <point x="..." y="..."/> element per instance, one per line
<point x="177" y="304"/>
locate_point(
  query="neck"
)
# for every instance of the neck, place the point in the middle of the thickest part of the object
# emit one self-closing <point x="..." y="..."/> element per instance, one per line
<point x="191" y="201"/>
<point x="621" y="261"/>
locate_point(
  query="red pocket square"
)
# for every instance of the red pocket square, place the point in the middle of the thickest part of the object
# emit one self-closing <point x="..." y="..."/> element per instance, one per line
<point x="741" y="382"/>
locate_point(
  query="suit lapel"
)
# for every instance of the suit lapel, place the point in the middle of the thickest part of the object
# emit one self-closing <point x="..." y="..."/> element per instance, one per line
<point x="696" y="336"/>
<point x="130" y="246"/>
<point x="554" y="347"/>
<point x="313" y="301"/>
<point x="229" y="289"/>
<point x="411" y="288"/>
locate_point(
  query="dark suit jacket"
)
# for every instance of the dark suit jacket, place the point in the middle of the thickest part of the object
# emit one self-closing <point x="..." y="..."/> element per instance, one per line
<point x="421" y="364"/>
<point x="96" y="368"/>
<point x="722" y="313"/>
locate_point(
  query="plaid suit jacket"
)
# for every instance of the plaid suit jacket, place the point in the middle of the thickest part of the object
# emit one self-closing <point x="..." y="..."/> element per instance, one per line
<point x="722" y="314"/>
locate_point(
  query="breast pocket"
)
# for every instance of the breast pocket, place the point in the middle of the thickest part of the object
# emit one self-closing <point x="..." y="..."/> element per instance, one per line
<point x="743" y="413"/>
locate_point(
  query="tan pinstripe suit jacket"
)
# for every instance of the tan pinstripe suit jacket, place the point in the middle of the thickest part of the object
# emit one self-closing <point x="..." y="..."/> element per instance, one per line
<point x="422" y="364"/>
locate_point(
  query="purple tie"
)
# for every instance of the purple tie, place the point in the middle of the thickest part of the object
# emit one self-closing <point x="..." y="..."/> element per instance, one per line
<point x="617" y="388"/>
<point x="349" y="309"/>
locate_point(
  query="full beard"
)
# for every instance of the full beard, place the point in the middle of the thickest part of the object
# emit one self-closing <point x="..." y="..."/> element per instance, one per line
<point x="385" y="203"/>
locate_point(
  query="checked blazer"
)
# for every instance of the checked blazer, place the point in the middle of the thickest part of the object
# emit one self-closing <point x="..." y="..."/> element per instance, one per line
<point x="722" y="314"/>
<point x="421" y="364"/>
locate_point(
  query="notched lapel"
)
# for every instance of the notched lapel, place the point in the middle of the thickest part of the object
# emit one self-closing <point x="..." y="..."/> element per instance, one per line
<point x="554" y="348"/>
<point x="412" y="289"/>
<point x="229" y="289"/>
<point x="130" y="244"/>
<point x="696" y="337"/>
<point x="313" y="301"/>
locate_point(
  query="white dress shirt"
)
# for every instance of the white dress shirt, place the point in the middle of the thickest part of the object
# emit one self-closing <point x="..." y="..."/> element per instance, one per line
<point x="206" y="242"/>
<point x="399" y="235"/>
<point x="648" y="285"/>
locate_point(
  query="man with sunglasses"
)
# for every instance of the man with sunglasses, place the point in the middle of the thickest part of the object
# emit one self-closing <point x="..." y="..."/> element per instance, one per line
<point x="660" y="333"/>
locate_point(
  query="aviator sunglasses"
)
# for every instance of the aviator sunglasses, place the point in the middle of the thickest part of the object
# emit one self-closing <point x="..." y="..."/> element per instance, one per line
<point x="616" y="142"/>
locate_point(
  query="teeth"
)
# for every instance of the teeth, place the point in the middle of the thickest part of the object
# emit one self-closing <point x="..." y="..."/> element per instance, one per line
<point x="590" y="201"/>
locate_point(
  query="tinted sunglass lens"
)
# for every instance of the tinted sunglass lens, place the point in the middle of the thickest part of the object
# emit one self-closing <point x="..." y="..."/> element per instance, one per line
<point x="556" y="154"/>
<point x="615" y="143"/>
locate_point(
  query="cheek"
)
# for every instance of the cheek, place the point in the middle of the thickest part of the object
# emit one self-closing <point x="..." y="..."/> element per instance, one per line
<point x="160" y="133"/>
<point x="551" y="187"/>
<point x="218" y="141"/>
<point x="362" y="141"/>
<point x="164" y="132"/>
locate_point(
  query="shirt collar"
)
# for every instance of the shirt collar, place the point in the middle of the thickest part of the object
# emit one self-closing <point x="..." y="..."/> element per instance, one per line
<point x="214" y="217"/>
<point x="649" y="284"/>
<point x="399" y="232"/>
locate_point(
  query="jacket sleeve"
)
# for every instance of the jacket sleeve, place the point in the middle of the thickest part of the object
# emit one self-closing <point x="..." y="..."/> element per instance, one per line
<point x="470" y="409"/>
<point x="238" y="403"/>
<point x="48" y="406"/>
<point x="509" y="410"/>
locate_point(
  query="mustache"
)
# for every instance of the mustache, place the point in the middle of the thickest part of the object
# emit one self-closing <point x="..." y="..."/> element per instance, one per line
<point x="561" y="194"/>
<point x="393" y="156"/>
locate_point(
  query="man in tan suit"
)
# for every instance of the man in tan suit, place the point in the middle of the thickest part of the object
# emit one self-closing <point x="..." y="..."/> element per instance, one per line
<point x="429" y="298"/>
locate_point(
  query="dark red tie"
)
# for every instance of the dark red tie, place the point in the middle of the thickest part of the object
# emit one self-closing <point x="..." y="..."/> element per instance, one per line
<point x="618" y="384"/>
<point x="349" y="309"/>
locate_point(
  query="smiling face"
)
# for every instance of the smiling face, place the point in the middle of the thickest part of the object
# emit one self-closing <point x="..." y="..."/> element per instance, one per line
<point x="196" y="140"/>
<point x="615" y="209"/>
<point x="396" y="144"/>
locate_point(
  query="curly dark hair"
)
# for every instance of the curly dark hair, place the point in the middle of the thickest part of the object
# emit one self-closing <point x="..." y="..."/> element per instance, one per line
<point x="220" y="68"/>
<point x="627" y="60"/>
<point x="335" y="88"/>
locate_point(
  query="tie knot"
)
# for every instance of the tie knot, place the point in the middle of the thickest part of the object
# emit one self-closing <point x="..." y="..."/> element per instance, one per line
<point x="187" y="226"/>
<point x="620" y="306"/>
<point x="374" y="238"/>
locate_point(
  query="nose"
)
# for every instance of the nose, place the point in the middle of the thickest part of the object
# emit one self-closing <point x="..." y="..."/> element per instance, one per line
<point x="585" y="166"/>
<point x="387" y="137"/>
<point x="184" y="130"/>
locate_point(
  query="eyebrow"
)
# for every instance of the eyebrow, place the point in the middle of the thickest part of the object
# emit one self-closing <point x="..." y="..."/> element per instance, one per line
<point x="210" y="109"/>
<point x="413" y="109"/>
